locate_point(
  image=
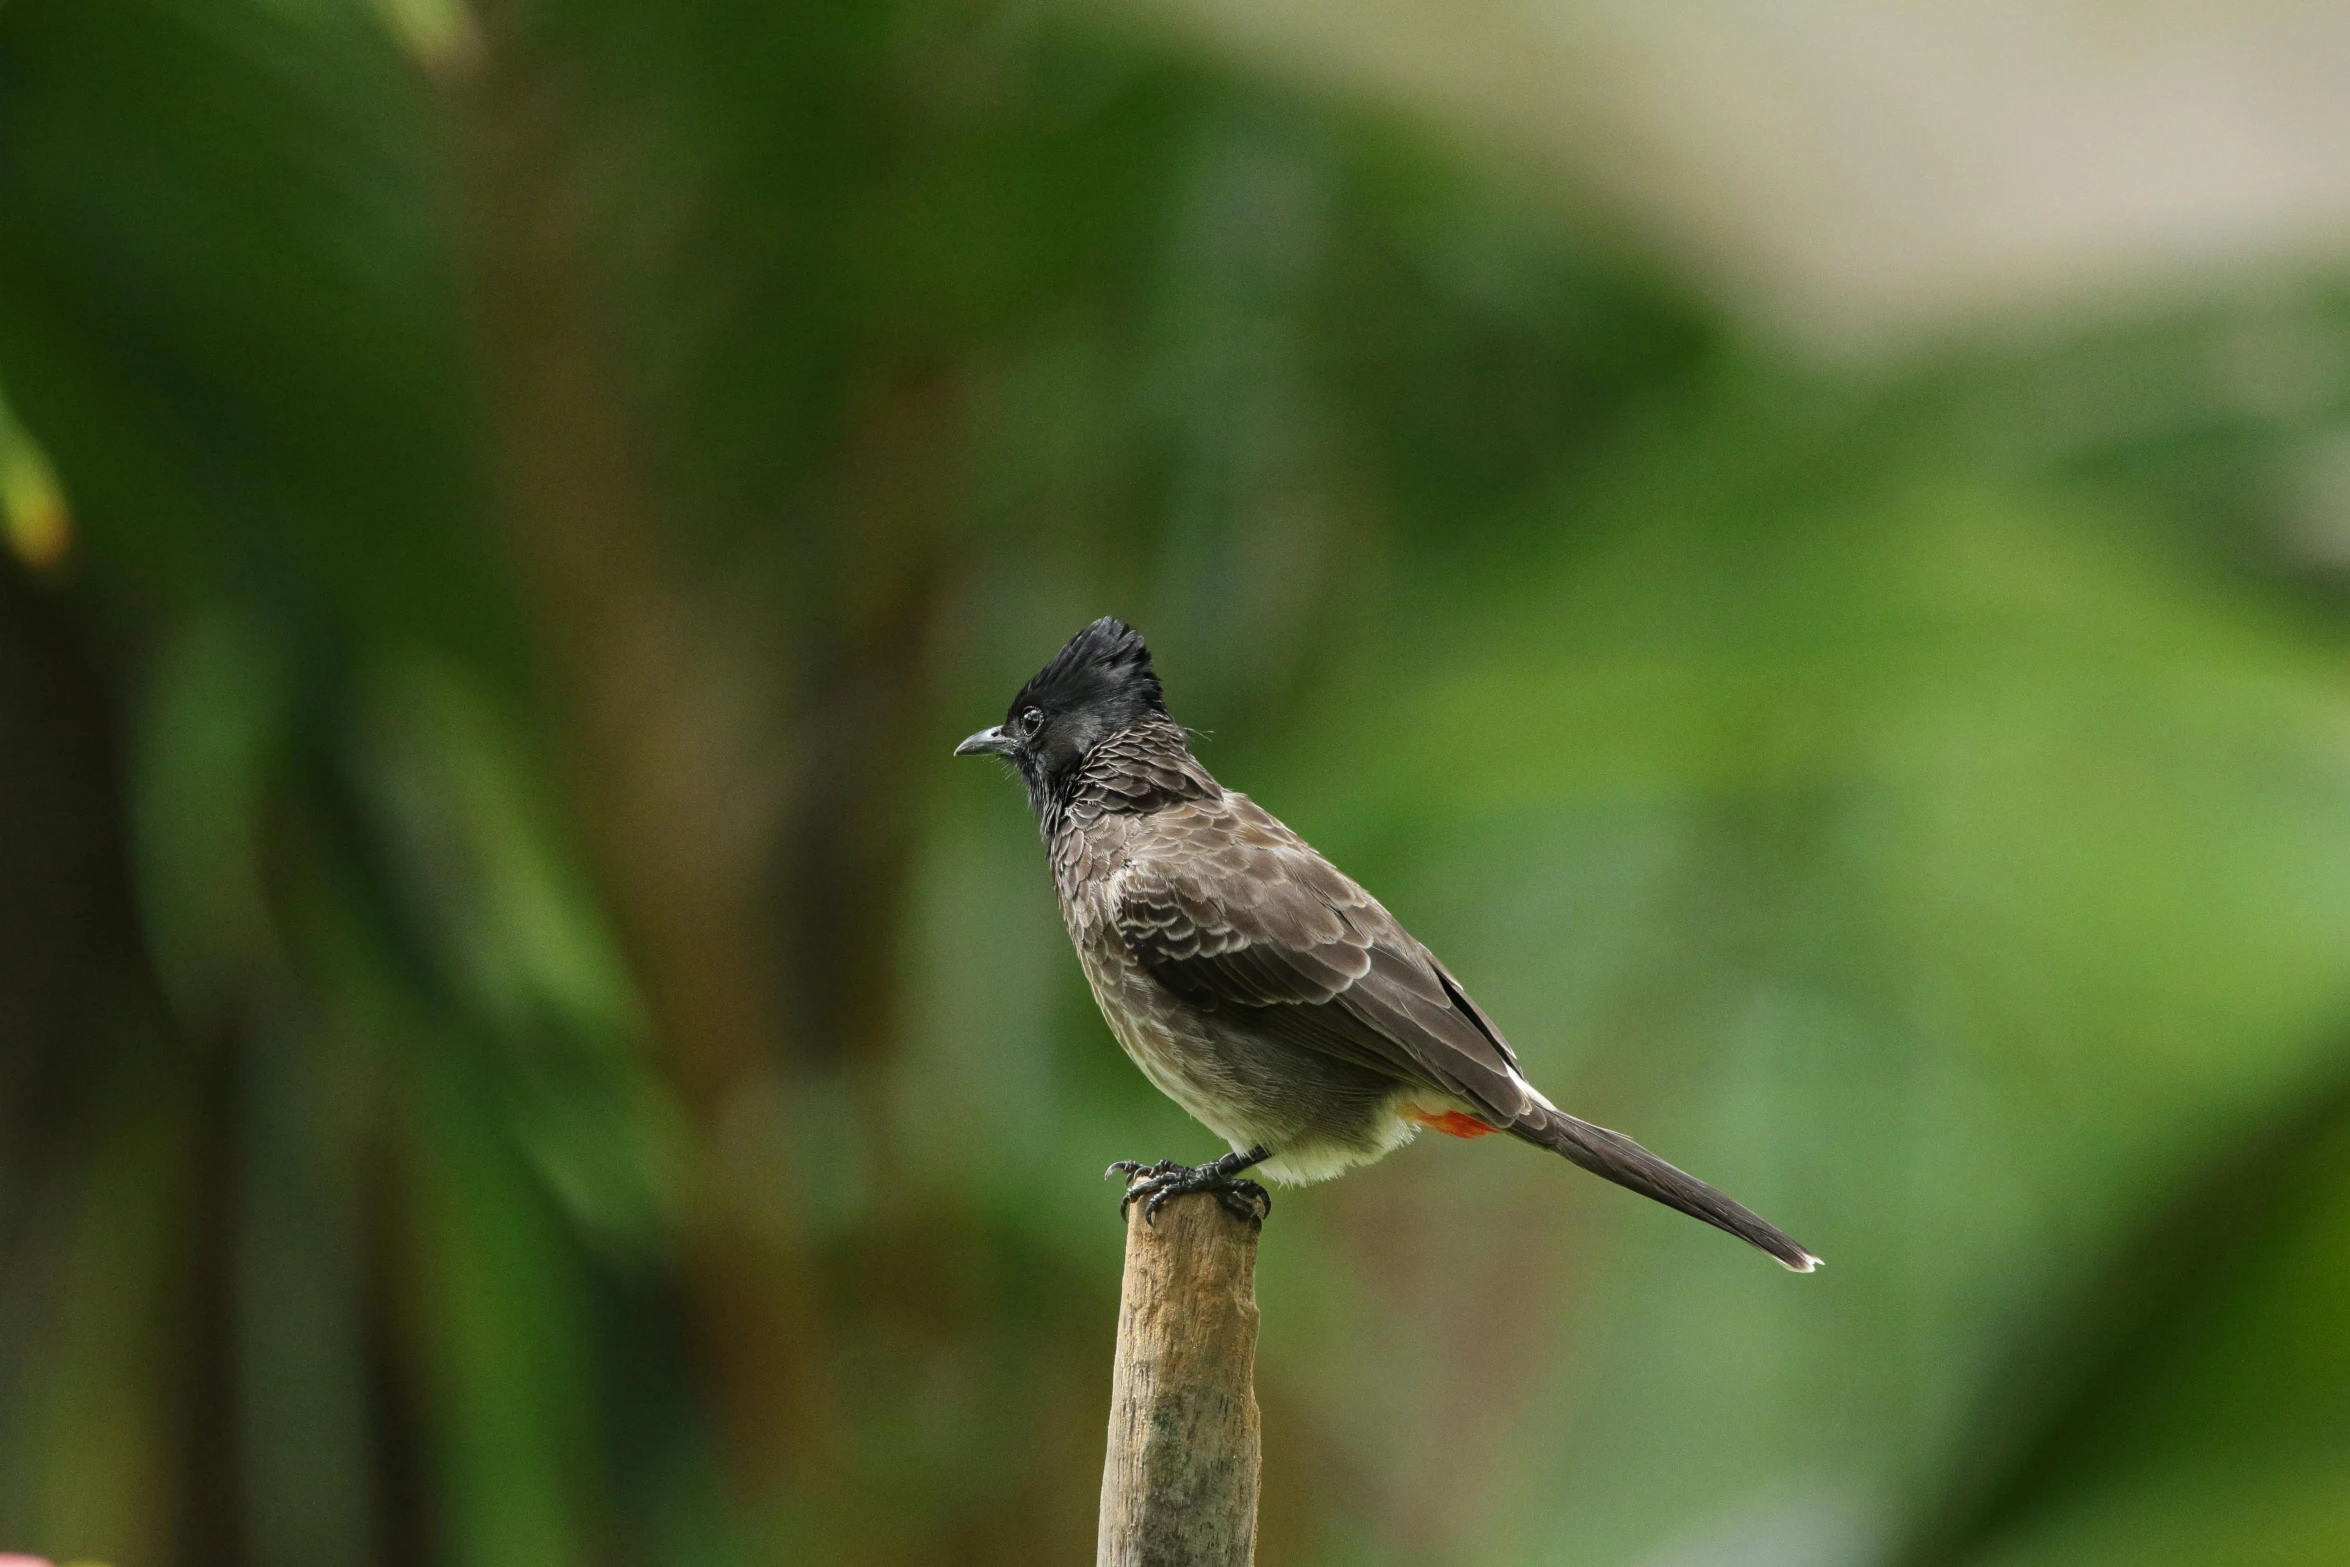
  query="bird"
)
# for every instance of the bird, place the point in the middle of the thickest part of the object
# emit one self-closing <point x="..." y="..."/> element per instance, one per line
<point x="1251" y="980"/>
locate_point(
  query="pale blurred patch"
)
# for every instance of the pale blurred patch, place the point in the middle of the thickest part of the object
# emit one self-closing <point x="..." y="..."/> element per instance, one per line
<point x="33" y="515"/>
<point x="441" y="34"/>
<point x="1857" y="175"/>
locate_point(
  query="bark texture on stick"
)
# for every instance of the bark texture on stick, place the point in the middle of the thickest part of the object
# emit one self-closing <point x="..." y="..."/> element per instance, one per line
<point x="1179" y="1487"/>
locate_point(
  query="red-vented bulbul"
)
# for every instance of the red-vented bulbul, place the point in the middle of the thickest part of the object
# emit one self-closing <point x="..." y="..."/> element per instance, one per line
<point x="1253" y="983"/>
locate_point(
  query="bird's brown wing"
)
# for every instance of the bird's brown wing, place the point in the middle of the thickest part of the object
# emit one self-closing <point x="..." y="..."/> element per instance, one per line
<point x="1230" y="910"/>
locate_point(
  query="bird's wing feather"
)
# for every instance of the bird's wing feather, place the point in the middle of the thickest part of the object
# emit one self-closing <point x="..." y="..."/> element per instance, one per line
<point x="1229" y="909"/>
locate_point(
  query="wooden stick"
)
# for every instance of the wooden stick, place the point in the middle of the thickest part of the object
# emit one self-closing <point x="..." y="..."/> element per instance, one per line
<point x="1179" y="1487"/>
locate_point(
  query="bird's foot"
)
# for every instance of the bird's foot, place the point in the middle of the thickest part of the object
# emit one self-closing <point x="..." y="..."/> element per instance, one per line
<point x="1154" y="1185"/>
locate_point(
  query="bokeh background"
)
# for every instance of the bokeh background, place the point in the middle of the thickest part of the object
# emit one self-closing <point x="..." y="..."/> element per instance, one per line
<point x="1805" y="548"/>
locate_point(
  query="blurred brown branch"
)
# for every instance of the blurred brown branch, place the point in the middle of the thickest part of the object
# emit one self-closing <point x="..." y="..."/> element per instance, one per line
<point x="660" y="784"/>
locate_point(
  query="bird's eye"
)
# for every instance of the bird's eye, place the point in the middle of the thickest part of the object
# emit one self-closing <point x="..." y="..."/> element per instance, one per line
<point x="1031" y="720"/>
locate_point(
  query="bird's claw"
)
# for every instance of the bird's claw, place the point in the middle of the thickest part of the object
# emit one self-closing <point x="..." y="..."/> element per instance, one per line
<point x="1158" y="1184"/>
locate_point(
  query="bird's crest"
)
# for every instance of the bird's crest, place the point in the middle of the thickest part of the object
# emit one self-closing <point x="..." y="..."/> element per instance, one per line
<point x="1103" y="666"/>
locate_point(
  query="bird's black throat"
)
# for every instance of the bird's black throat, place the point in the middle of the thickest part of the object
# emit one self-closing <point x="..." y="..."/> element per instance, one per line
<point x="1133" y="772"/>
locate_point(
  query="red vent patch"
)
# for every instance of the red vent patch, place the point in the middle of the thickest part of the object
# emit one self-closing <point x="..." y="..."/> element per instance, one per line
<point x="1453" y="1123"/>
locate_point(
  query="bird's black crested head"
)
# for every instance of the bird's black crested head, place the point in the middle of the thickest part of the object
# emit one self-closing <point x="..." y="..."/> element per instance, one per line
<point x="1100" y="684"/>
<point x="1104" y="671"/>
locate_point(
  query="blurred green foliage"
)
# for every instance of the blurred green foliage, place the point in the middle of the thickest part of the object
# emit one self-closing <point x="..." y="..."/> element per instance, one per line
<point x="517" y="1046"/>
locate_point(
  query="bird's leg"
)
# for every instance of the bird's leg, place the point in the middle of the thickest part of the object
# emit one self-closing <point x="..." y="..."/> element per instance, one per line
<point x="1156" y="1183"/>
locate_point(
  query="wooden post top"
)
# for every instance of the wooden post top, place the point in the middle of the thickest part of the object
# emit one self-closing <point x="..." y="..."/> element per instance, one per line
<point x="1179" y="1484"/>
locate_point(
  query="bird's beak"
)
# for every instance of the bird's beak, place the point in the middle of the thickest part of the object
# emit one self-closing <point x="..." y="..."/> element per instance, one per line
<point x="988" y="742"/>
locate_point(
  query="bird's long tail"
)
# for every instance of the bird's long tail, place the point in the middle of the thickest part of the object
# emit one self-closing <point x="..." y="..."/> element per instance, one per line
<point x="1625" y="1162"/>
